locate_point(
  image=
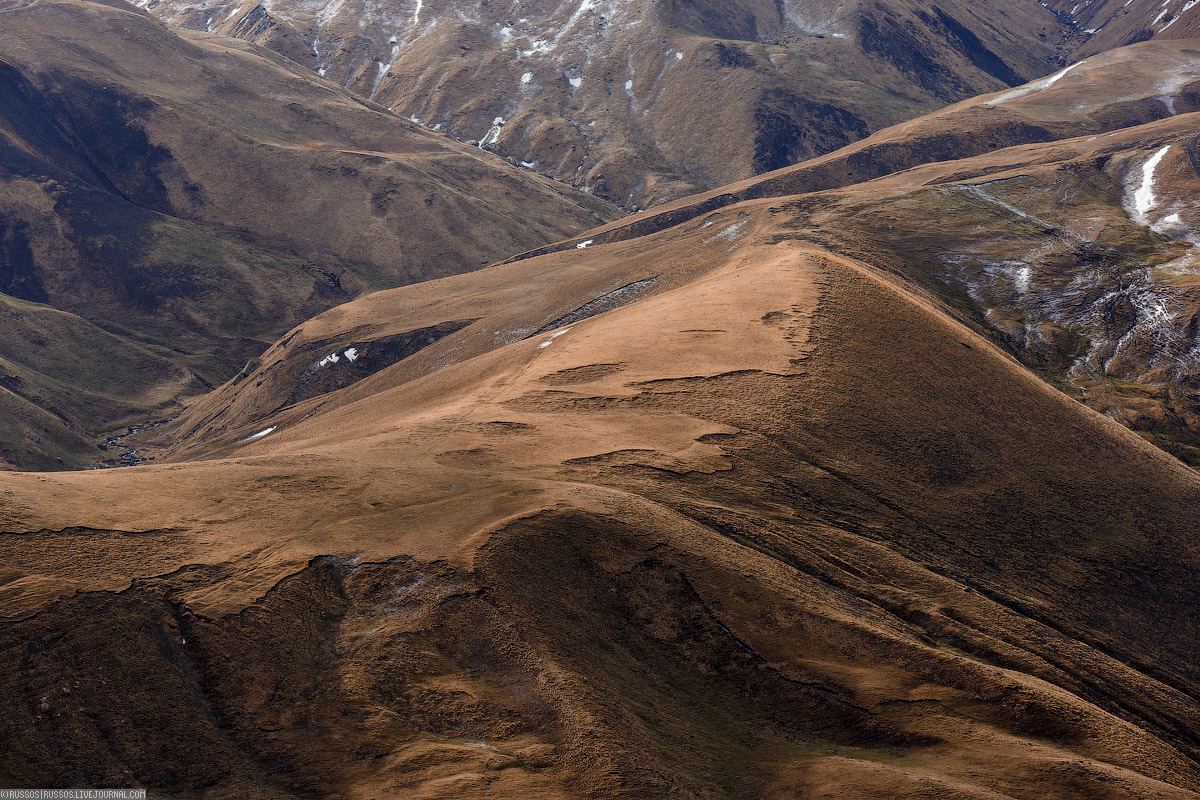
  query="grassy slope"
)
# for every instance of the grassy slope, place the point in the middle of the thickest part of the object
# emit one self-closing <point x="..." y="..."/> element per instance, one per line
<point x="196" y="197"/>
<point x="792" y="527"/>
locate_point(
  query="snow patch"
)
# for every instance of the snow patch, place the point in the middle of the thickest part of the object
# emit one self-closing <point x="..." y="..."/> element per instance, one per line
<point x="582" y="245"/>
<point x="1144" y="198"/>
<point x="1021" y="279"/>
<point x="493" y="134"/>
<point x="805" y="16"/>
<point x="731" y="233"/>
<point x="1169" y="221"/>
<point x="1035" y="86"/>
<point x="384" y="69"/>
<point x="543" y="46"/>
<point x="1186" y="8"/>
<point x="326" y="14"/>
<point x="259" y="435"/>
<point x="550" y="340"/>
<point x="1170" y="85"/>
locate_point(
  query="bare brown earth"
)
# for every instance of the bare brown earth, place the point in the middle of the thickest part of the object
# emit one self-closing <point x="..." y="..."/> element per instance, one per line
<point x="171" y="203"/>
<point x="759" y="504"/>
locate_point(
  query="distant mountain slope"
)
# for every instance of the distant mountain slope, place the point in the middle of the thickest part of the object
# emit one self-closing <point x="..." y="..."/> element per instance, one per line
<point x="1105" y="24"/>
<point x="1156" y="80"/>
<point x="186" y="198"/>
<point x="642" y="102"/>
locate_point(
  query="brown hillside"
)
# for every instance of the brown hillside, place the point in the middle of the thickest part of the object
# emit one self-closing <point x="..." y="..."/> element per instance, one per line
<point x="738" y="508"/>
<point x="170" y="203"/>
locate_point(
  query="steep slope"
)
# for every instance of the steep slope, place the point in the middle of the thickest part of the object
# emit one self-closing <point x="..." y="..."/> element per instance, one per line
<point x="1082" y="264"/>
<point x="192" y="197"/>
<point x="746" y="507"/>
<point x="1105" y="24"/>
<point x="65" y="380"/>
<point x="642" y="102"/>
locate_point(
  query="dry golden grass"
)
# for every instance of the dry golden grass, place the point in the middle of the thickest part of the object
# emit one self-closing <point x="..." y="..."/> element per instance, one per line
<point x="781" y="519"/>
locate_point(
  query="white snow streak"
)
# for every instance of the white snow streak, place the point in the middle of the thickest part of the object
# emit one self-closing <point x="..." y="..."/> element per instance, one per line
<point x="1144" y="198"/>
<point x="259" y="435"/>
<point x="1029" y="88"/>
<point x="493" y="134"/>
<point x="553" y="336"/>
<point x="1021" y="279"/>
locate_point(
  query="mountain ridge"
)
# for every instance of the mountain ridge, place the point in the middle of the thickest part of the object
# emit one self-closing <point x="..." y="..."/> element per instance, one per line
<point x="796" y="471"/>
<point x="863" y="478"/>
